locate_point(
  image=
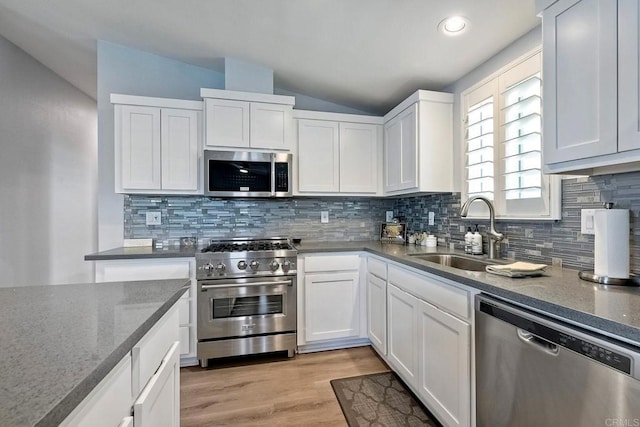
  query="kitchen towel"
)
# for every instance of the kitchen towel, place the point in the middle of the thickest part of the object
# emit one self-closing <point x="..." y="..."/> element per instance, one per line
<point x="517" y="269"/>
<point x="611" y="228"/>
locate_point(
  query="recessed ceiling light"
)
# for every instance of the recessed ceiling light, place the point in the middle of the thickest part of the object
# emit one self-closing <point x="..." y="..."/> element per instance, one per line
<point x="453" y="25"/>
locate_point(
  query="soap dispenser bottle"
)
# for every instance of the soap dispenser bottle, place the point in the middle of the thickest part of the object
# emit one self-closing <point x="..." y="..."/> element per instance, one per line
<point x="476" y="245"/>
<point x="468" y="241"/>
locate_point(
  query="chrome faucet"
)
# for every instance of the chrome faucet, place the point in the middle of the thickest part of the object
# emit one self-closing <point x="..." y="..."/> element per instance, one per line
<point x="494" y="236"/>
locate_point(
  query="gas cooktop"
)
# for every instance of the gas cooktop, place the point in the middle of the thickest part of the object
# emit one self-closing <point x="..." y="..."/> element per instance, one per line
<point x="248" y="246"/>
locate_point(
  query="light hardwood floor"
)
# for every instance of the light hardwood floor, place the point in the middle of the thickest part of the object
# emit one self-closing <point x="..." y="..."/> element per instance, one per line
<point x="273" y="392"/>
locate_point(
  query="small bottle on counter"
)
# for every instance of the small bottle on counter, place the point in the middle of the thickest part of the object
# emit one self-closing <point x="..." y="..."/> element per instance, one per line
<point x="468" y="241"/>
<point x="476" y="244"/>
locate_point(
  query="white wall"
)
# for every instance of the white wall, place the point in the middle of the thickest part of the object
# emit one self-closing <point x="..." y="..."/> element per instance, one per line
<point x="526" y="43"/>
<point x="134" y="72"/>
<point x="47" y="174"/>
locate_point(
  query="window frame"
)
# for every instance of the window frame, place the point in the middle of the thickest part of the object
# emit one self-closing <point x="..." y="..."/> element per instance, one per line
<point x="494" y="85"/>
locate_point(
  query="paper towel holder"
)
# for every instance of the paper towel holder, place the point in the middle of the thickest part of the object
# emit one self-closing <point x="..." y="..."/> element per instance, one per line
<point x="590" y="276"/>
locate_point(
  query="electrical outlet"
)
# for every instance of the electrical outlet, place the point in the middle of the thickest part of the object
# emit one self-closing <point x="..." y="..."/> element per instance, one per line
<point x="587" y="219"/>
<point x="432" y="218"/>
<point x="389" y="216"/>
<point x="324" y="217"/>
<point x="154" y="218"/>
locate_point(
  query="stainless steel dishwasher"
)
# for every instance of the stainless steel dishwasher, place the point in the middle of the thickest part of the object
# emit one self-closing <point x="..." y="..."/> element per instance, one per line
<point x="535" y="371"/>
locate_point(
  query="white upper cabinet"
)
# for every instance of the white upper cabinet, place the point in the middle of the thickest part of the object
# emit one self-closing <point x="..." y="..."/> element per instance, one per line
<point x="157" y="145"/>
<point x="418" y="144"/>
<point x="227" y="122"/>
<point x="247" y="120"/>
<point x="591" y="121"/>
<point x="579" y="78"/>
<point x="318" y="156"/>
<point x="338" y="153"/>
<point x="629" y="75"/>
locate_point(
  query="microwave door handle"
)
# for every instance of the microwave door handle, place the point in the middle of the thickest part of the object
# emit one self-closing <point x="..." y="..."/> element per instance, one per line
<point x="273" y="174"/>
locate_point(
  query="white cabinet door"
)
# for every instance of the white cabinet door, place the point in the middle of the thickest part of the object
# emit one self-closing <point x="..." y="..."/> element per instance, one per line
<point x="270" y="126"/>
<point x="318" y="156"/>
<point x="400" y="151"/>
<point x="628" y="75"/>
<point x="358" y="158"/>
<point x="580" y="75"/>
<point x="179" y="136"/>
<point x="159" y="402"/>
<point x="138" y="130"/>
<point x="332" y="306"/>
<point x="402" y="320"/>
<point x="227" y="123"/>
<point x="377" y="312"/>
<point x="445" y="365"/>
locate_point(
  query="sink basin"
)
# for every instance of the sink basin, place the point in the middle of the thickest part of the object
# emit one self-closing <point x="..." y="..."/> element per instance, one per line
<point x="455" y="261"/>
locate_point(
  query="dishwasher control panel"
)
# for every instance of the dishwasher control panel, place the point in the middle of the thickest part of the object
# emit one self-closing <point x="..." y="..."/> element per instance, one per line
<point x="596" y="352"/>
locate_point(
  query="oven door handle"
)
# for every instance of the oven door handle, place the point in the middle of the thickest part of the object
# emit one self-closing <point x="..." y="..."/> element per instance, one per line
<point x="205" y="288"/>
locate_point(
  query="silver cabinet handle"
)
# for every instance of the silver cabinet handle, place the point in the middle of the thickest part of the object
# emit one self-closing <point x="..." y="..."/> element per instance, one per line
<point x="204" y="288"/>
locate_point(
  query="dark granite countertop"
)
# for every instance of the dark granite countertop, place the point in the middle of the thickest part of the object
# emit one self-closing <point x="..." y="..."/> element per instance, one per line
<point x="142" y="253"/>
<point x="60" y="341"/>
<point x="612" y="310"/>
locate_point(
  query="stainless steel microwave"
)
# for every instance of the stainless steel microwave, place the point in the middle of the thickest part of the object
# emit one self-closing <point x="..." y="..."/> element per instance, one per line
<point x="247" y="174"/>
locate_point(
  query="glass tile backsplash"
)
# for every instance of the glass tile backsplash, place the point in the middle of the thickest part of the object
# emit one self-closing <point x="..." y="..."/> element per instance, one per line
<point x="359" y="219"/>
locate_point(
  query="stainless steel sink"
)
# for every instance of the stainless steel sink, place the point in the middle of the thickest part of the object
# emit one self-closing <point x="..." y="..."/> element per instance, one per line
<point x="455" y="261"/>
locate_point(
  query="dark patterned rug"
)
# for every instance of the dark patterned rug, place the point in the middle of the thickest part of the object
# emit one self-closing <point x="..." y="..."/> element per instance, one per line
<point x="379" y="400"/>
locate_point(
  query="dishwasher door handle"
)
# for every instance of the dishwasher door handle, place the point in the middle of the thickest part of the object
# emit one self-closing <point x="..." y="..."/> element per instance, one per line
<point x="534" y="340"/>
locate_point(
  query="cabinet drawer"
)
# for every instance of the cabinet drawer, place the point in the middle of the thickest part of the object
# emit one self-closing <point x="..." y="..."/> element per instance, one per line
<point x="331" y="263"/>
<point x="377" y="268"/>
<point x="124" y="270"/>
<point x="148" y="353"/>
<point x="447" y="297"/>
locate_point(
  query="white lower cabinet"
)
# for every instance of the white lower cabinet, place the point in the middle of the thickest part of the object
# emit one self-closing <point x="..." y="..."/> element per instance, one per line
<point x="158" y="269"/>
<point x="377" y="312"/>
<point x="332" y="306"/>
<point x="146" y="382"/>
<point x="159" y="402"/>
<point x="402" y="316"/>
<point x="428" y="341"/>
<point x="444" y="380"/>
<point x="331" y="302"/>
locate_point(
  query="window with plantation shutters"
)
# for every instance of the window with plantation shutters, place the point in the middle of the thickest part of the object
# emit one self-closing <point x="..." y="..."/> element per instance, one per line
<point x="503" y="144"/>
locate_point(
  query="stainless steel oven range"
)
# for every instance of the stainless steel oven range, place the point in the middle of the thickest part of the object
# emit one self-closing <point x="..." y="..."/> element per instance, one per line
<point x="246" y="298"/>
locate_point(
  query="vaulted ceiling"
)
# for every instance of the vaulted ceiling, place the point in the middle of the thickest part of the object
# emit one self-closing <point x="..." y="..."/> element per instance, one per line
<point x="366" y="54"/>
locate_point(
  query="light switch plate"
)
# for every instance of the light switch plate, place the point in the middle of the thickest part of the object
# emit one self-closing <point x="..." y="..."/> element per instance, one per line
<point x="324" y="217"/>
<point x="587" y="219"/>
<point x="432" y="218"/>
<point x="154" y="218"/>
<point x="389" y="216"/>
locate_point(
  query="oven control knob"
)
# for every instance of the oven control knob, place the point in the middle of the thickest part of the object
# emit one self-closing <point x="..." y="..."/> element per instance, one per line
<point x="274" y="265"/>
<point x="287" y="265"/>
<point x="254" y="265"/>
<point x="207" y="267"/>
<point x="220" y="268"/>
<point x="242" y="265"/>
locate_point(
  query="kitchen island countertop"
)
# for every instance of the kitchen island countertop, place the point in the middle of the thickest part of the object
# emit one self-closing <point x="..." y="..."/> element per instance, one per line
<point x="612" y="310"/>
<point x="60" y="341"/>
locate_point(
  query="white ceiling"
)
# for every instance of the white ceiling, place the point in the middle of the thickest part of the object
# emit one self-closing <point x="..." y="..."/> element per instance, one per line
<point x="367" y="54"/>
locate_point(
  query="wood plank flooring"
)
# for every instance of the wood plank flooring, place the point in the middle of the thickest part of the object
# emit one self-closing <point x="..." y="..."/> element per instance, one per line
<point x="272" y="391"/>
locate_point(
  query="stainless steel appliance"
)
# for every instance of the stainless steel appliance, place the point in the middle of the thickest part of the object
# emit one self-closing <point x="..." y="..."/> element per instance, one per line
<point x="246" y="298"/>
<point x="247" y="174"/>
<point x="535" y="371"/>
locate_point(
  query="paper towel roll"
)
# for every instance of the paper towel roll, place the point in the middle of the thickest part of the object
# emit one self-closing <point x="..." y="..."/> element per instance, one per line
<point x="611" y="228"/>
